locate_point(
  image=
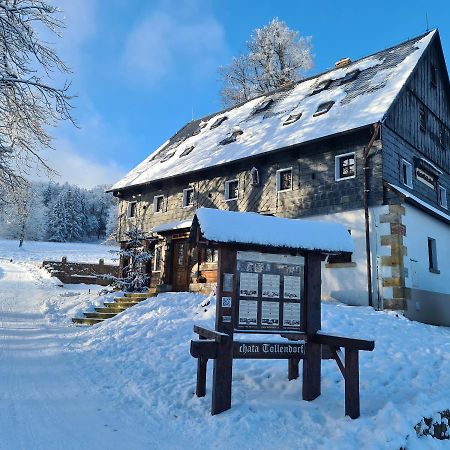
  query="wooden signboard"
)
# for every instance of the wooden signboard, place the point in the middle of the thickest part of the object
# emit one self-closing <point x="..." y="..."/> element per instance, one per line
<point x="270" y="292"/>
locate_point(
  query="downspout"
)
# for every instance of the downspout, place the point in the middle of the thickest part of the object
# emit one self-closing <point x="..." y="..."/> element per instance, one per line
<point x="376" y="129"/>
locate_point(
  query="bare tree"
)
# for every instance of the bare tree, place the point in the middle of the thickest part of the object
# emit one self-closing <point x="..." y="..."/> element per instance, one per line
<point x="29" y="104"/>
<point x="276" y="57"/>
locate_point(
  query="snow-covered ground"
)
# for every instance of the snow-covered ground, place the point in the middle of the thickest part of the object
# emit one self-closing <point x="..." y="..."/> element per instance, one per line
<point x="129" y="382"/>
<point x="54" y="251"/>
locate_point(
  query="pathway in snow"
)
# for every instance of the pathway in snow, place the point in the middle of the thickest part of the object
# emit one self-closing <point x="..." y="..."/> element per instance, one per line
<point x="45" y="402"/>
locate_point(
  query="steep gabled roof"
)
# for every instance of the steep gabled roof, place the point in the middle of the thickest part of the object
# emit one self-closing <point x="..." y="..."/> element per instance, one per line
<point x="353" y="96"/>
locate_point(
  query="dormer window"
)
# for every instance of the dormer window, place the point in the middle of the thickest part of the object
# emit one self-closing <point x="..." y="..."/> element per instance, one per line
<point x="323" y="108"/>
<point x="321" y="87"/>
<point x="187" y="151"/>
<point x="167" y="156"/>
<point x="263" y="106"/>
<point x="292" y="118"/>
<point x="218" y="122"/>
<point x="350" y="76"/>
<point x="232" y="138"/>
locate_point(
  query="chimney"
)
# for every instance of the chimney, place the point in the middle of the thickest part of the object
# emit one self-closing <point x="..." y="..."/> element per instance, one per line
<point x="342" y="62"/>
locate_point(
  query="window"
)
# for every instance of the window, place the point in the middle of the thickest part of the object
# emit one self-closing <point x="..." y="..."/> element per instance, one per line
<point x="255" y="176"/>
<point x="406" y="173"/>
<point x="187" y="151"/>
<point x="232" y="138"/>
<point x="321" y="87"/>
<point x="350" y="76"/>
<point x="426" y="178"/>
<point x="131" y="210"/>
<point x="167" y="156"/>
<point x="345" y="166"/>
<point x="422" y="118"/>
<point x="432" y="255"/>
<point x="263" y="106"/>
<point x="157" y="260"/>
<point x="443" y="138"/>
<point x="211" y="255"/>
<point x="323" y="108"/>
<point x="442" y="194"/>
<point x="188" y="197"/>
<point x="231" y="190"/>
<point x="218" y="122"/>
<point x="284" y="180"/>
<point x="292" y="118"/>
<point x="158" y="203"/>
<point x="433" y="75"/>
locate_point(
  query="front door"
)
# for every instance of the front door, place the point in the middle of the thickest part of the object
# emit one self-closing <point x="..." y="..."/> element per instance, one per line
<point x="180" y="265"/>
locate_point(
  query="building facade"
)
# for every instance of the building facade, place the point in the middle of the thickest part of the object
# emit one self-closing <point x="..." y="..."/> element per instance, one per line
<point x="365" y="144"/>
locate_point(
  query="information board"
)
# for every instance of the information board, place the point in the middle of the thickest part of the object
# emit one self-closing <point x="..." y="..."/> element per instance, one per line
<point x="270" y="291"/>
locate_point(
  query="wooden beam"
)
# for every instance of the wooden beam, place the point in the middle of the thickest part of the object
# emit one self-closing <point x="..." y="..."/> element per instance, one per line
<point x="210" y="334"/>
<point x="341" y="341"/>
<point x="311" y="371"/>
<point x="352" y="407"/>
<point x="204" y="349"/>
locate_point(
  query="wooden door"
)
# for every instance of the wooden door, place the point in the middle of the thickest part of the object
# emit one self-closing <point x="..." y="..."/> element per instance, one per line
<point x="180" y="265"/>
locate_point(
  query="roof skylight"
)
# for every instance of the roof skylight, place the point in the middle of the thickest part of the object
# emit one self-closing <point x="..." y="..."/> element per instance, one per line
<point x="350" y="76"/>
<point x="167" y="156"/>
<point x="218" y="122"/>
<point x="321" y="87"/>
<point x="292" y="118"/>
<point x="232" y="138"/>
<point x="323" y="108"/>
<point x="187" y="151"/>
<point x="263" y="106"/>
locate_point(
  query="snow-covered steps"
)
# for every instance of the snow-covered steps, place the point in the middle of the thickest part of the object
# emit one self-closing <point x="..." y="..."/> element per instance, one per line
<point x="111" y="309"/>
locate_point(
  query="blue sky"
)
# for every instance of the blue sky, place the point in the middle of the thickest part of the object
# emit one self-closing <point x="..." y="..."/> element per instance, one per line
<point x="141" y="68"/>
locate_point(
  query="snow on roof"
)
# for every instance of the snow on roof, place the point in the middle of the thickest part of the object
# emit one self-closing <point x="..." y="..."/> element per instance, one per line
<point x="361" y="101"/>
<point x="176" y="225"/>
<point x="252" y="228"/>
<point x="420" y="202"/>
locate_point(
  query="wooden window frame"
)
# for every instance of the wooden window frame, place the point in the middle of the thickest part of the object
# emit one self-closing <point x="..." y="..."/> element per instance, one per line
<point x="129" y="207"/>
<point x="432" y="256"/>
<point x="184" y="201"/>
<point x="155" y="204"/>
<point x="409" y="173"/>
<point x="154" y="268"/>
<point x="337" y="166"/>
<point x="227" y="190"/>
<point x="442" y="197"/>
<point x="278" y="179"/>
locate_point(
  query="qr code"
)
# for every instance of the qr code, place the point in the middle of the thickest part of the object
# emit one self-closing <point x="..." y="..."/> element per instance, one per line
<point x="226" y="302"/>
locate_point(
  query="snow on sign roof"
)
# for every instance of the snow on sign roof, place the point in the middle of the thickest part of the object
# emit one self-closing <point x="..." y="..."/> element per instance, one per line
<point x="176" y="225"/>
<point x="252" y="228"/>
<point x="371" y="85"/>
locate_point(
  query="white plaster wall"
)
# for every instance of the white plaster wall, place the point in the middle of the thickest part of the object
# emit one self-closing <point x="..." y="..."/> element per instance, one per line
<point x="419" y="227"/>
<point x="349" y="284"/>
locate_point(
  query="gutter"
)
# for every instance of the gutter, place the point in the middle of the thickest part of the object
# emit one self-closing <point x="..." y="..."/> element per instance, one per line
<point x="376" y="130"/>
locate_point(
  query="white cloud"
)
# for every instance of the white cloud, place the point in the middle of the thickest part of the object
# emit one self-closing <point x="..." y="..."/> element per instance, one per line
<point x="169" y="39"/>
<point x="77" y="169"/>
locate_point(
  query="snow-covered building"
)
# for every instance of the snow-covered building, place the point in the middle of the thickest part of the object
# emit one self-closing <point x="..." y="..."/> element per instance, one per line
<point x="366" y="144"/>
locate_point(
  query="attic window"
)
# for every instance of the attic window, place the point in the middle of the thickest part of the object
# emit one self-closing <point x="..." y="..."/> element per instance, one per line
<point x="433" y="75"/>
<point x="350" y="76"/>
<point x="263" y="106"/>
<point x="422" y="118"/>
<point x="321" y="87"/>
<point x="323" y="108"/>
<point x="443" y="138"/>
<point x="231" y="138"/>
<point x="187" y="151"/>
<point x="167" y="156"/>
<point x="292" y="118"/>
<point x="218" y="122"/>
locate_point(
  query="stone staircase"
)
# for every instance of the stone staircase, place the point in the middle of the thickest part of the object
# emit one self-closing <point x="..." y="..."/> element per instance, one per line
<point x="111" y="309"/>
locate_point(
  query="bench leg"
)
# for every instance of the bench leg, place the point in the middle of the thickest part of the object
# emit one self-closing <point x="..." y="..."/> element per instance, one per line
<point x="352" y="383"/>
<point x="293" y="368"/>
<point x="222" y="376"/>
<point x="311" y="371"/>
<point x="200" y="390"/>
